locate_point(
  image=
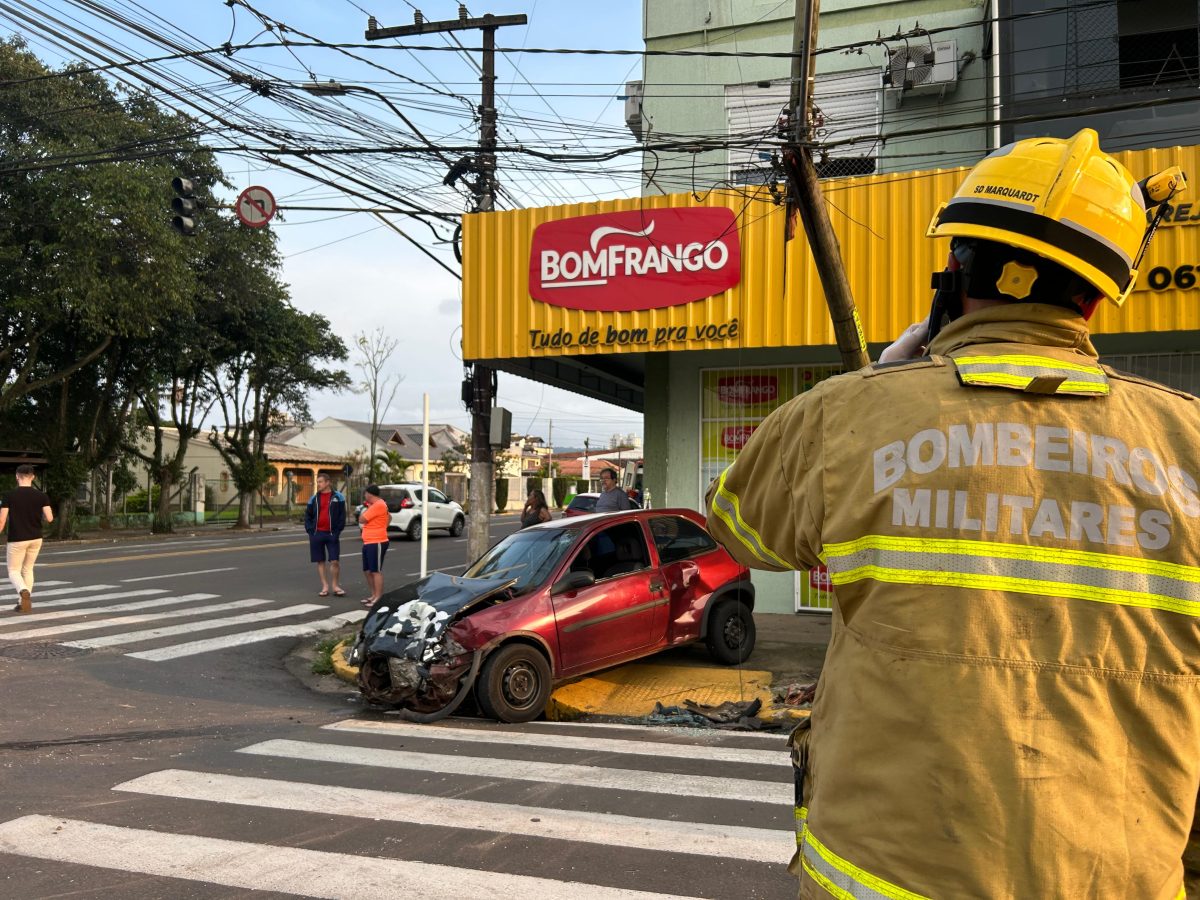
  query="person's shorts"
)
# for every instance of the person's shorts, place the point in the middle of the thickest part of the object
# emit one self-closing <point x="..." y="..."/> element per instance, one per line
<point x="322" y="546"/>
<point x="372" y="556"/>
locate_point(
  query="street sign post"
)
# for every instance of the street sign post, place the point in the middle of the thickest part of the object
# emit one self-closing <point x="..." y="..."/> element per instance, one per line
<point x="255" y="206"/>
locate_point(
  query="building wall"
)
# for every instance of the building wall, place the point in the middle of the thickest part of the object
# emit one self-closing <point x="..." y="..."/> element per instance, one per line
<point x="330" y="436"/>
<point x="685" y="96"/>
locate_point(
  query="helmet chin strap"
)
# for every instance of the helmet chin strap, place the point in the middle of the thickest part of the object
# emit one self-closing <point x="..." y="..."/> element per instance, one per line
<point x="947" y="298"/>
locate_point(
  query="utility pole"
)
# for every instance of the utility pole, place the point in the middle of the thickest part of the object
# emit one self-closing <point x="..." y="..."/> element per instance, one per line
<point x="806" y="197"/>
<point x="482" y="378"/>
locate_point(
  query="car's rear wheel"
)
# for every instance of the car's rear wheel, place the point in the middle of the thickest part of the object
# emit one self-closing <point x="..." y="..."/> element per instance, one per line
<point x="457" y="527"/>
<point x="731" y="632"/>
<point x="414" y="529"/>
<point x="514" y="684"/>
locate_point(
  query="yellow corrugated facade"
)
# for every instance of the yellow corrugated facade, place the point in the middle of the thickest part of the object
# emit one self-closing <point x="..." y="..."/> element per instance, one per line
<point x="880" y="221"/>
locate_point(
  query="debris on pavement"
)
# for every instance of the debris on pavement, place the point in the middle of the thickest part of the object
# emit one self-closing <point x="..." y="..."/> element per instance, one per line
<point x="797" y="696"/>
<point x="728" y="716"/>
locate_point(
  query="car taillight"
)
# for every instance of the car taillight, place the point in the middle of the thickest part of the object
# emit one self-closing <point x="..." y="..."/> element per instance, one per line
<point x="406" y="503"/>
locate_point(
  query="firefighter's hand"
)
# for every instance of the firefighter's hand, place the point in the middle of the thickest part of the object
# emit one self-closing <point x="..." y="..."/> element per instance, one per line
<point x="909" y="345"/>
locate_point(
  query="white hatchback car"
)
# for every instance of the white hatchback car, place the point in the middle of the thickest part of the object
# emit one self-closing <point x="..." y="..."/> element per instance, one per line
<point x="406" y="505"/>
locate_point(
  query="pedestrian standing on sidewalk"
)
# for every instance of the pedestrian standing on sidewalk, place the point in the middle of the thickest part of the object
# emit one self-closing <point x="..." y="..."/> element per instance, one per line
<point x="612" y="498"/>
<point x="374" y="521"/>
<point x="324" y="519"/>
<point x="536" y="510"/>
<point x="23" y="511"/>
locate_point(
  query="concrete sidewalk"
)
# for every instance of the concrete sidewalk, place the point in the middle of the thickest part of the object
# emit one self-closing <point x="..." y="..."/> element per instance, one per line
<point x="789" y="649"/>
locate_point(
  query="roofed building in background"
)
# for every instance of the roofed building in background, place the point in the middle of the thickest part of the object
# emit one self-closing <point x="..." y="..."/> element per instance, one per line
<point x="350" y="439"/>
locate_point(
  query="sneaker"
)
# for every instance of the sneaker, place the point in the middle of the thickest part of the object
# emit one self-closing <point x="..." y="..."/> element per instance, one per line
<point x="26" y="604"/>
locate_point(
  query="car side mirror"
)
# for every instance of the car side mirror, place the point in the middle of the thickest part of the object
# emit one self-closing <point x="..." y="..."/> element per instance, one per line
<point x="573" y="581"/>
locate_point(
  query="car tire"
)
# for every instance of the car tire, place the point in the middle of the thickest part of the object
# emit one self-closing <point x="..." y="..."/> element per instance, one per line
<point x="457" y="528"/>
<point x="514" y="684"/>
<point x="414" y="529"/>
<point x="731" y="632"/>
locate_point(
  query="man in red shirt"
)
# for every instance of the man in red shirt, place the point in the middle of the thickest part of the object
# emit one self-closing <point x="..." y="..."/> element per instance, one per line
<point x="324" y="519"/>
<point x="374" y="521"/>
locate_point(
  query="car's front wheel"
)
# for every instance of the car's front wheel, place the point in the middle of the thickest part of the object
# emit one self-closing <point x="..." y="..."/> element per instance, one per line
<point x="731" y="632"/>
<point x="457" y="527"/>
<point x="514" y="684"/>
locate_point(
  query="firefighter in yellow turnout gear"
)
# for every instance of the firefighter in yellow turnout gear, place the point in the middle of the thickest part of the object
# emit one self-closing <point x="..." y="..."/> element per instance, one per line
<point x="1010" y="704"/>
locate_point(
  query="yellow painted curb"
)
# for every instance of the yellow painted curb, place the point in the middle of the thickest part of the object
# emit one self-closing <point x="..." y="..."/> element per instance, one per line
<point x="633" y="690"/>
<point x="341" y="668"/>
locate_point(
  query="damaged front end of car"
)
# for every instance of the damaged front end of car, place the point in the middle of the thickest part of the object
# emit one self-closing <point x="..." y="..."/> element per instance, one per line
<point x="405" y="654"/>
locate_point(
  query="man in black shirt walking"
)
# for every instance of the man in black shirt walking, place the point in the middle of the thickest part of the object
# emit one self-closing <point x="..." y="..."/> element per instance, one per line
<point x="23" y="511"/>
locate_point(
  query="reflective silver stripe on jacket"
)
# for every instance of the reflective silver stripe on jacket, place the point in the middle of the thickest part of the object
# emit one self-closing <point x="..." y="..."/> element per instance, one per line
<point x="843" y="879"/>
<point x="1040" y="374"/>
<point x="986" y="565"/>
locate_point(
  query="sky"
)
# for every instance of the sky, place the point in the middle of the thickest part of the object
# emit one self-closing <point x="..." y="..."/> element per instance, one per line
<point x="348" y="266"/>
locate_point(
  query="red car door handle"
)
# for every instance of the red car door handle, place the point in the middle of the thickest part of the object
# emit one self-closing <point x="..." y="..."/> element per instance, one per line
<point x="656" y="586"/>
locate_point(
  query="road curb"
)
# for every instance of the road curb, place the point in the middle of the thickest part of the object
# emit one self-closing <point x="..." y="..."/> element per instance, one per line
<point x="632" y="690"/>
<point x="341" y="668"/>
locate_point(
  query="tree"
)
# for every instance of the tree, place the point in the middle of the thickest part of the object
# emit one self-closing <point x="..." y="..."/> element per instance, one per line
<point x="84" y="248"/>
<point x="371" y="358"/>
<point x="394" y="466"/>
<point x="272" y="357"/>
<point x="178" y="391"/>
<point x="90" y="271"/>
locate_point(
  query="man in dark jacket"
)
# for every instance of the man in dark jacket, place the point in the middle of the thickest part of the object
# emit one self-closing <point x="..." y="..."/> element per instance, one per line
<point x="324" y="519"/>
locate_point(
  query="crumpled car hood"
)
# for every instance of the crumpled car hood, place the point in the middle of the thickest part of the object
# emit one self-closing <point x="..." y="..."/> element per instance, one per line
<point x="407" y="628"/>
<point x="410" y="620"/>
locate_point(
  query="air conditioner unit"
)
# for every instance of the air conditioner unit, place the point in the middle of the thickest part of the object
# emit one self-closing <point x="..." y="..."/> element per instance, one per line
<point x="919" y="68"/>
<point x="634" y="92"/>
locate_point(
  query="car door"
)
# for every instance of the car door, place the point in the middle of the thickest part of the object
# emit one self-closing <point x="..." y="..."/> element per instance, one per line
<point x="680" y="544"/>
<point x="613" y="618"/>
<point x="441" y="514"/>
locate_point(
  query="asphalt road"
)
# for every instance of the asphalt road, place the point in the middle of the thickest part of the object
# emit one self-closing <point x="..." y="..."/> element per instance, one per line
<point x="158" y="739"/>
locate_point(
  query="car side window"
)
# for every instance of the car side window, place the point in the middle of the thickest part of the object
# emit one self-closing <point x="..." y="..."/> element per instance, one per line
<point x="418" y="494"/>
<point x="615" y="551"/>
<point x="678" y="538"/>
<point x="437" y="496"/>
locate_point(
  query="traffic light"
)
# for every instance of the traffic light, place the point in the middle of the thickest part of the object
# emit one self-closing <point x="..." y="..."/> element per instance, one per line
<point x="184" y="205"/>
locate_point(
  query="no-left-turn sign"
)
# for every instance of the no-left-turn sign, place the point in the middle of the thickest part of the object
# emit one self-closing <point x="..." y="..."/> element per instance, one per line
<point x="255" y="206"/>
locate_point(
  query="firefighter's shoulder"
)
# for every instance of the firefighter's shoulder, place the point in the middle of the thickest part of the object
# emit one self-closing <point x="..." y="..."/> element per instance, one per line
<point x="1130" y="378"/>
<point x="904" y="365"/>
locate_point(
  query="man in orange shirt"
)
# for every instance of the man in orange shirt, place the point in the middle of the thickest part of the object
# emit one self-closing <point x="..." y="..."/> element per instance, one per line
<point x="374" y="521"/>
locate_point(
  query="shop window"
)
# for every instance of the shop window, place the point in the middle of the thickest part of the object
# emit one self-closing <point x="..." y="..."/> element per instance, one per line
<point x="1158" y="43"/>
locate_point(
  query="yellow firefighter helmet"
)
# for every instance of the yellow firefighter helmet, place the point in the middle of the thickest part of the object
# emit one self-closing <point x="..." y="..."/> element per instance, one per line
<point x="1066" y="201"/>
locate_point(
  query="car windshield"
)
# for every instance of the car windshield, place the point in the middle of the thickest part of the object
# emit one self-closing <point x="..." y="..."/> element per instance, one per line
<point x="528" y="556"/>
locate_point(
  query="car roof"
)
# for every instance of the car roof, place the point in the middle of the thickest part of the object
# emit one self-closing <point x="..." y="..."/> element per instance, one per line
<point x="589" y="518"/>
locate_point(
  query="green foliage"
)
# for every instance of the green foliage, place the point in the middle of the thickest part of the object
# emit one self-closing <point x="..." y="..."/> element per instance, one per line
<point x="323" y="663"/>
<point x="561" y="485"/>
<point x="123" y="479"/>
<point x="501" y="494"/>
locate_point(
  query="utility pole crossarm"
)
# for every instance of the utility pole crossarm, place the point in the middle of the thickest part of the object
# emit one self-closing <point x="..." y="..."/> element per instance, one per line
<point x="423" y="27"/>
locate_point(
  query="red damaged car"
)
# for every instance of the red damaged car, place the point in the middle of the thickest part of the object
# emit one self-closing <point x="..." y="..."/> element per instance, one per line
<point x="553" y="602"/>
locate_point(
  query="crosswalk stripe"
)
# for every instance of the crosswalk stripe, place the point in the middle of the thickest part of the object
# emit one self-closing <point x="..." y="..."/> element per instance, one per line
<point x="150" y="634"/>
<point x="262" y="867"/>
<point x="94" y="625"/>
<point x="179" y="574"/>
<point x="93" y="598"/>
<point x="721" y="841"/>
<point x="671" y="783"/>
<point x="304" y="629"/>
<point x="563" y="742"/>
<point x="62" y="592"/>
<point x="765" y="737"/>
<point x="116" y="607"/>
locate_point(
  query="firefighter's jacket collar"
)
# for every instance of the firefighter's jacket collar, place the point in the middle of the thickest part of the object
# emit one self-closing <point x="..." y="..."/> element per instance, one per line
<point x="1017" y="323"/>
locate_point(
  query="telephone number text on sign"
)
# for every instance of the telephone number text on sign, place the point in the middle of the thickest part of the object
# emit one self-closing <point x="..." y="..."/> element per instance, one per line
<point x="1183" y="278"/>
